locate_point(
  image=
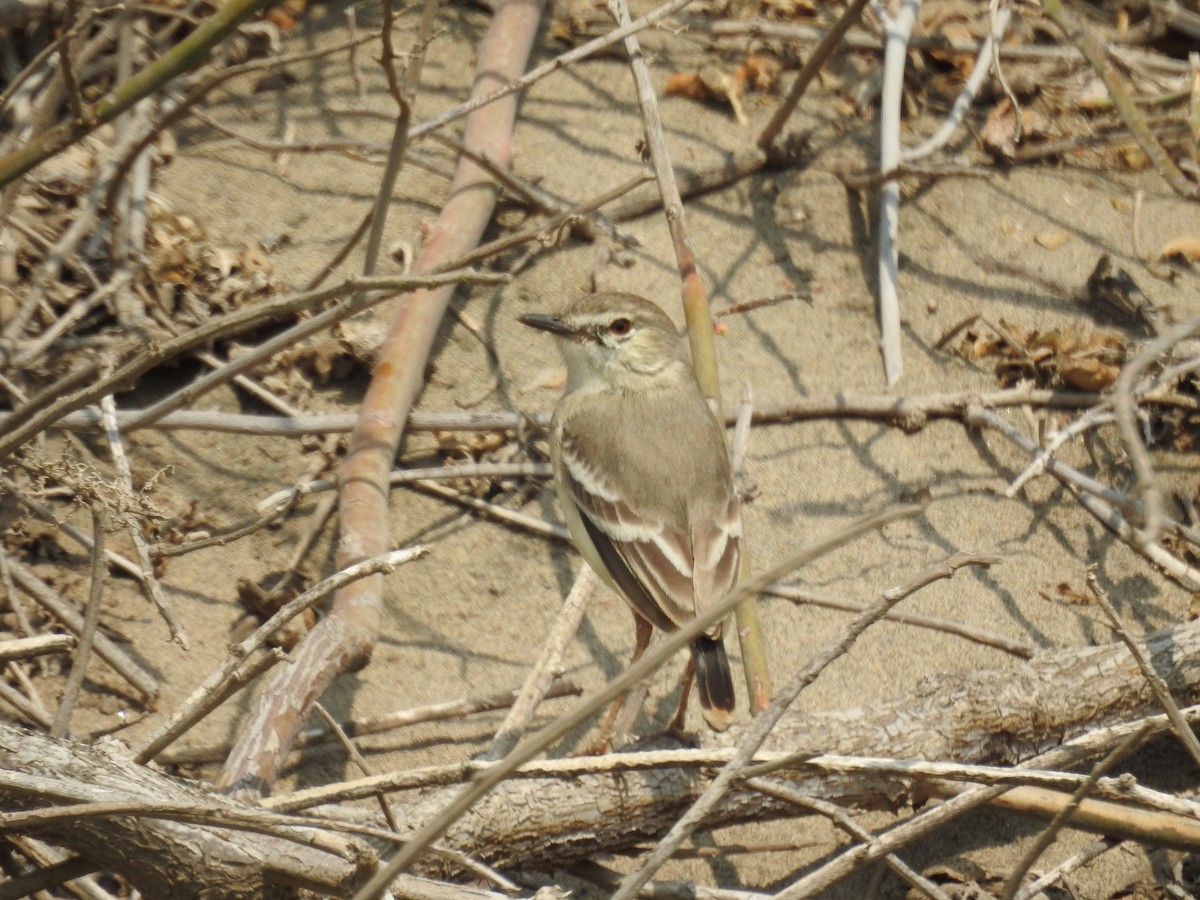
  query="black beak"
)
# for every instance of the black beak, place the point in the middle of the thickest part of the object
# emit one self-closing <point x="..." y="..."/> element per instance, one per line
<point x="544" y="322"/>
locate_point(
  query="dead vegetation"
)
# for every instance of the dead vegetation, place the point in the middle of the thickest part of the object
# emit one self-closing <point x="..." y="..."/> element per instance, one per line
<point x="107" y="292"/>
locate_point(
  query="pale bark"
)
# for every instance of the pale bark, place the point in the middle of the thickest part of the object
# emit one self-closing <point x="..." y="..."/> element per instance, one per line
<point x="999" y="716"/>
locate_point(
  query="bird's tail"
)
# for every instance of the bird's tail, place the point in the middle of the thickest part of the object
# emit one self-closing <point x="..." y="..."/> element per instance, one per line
<point x="714" y="683"/>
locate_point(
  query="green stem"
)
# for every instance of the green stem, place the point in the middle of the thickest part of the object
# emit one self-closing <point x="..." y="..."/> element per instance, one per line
<point x="187" y="54"/>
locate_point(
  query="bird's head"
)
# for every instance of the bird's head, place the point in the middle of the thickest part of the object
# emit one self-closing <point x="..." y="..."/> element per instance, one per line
<point x="615" y="342"/>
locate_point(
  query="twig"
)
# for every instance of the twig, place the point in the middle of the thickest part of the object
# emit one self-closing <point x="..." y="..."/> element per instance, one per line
<point x="282" y="500"/>
<point x="530" y="523"/>
<point x="541" y="676"/>
<point x="189" y="711"/>
<point x="583" y="51"/>
<point x="1095" y="53"/>
<point x="898" y="29"/>
<point x="404" y="99"/>
<point x="434" y="712"/>
<point x="108" y="415"/>
<point x="91" y="621"/>
<point x="141" y="680"/>
<point x="483" y="783"/>
<point x="1146" y="485"/>
<point x="26" y="706"/>
<point x="65" y="65"/>
<point x="938" y="776"/>
<point x="862" y="40"/>
<point x="1066" y="867"/>
<point x="595" y="226"/>
<point x="910" y="413"/>
<point x="828" y="43"/>
<point x="700" y="334"/>
<point x="726" y="171"/>
<point x="216" y="328"/>
<point x="32" y="647"/>
<point x="1179" y="725"/>
<point x="342" y="738"/>
<point x="843" y="821"/>
<point x="981" y="68"/>
<point x="979" y="636"/>
<point x="1050" y="832"/>
<point x="1093" y="418"/>
<point x="761" y="728"/>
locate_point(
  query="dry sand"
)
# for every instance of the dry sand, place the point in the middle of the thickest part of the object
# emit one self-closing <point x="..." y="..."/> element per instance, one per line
<point x="470" y="618"/>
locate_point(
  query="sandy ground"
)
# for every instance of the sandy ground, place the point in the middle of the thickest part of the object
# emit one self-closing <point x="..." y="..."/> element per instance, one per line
<point x="469" y="619"/>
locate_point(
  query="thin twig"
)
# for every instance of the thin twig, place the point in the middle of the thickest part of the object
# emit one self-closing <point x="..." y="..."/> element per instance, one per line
<point x="829" y="41"/>
<point x="979" y="636"/>
<point x="979" y="71"/>
<point x="1146" y="484"/>
<point x="543" y="672"/>
<point x="141" y="680"/>
<point x="108" y="415"/>
<point x="434" y="712"/>
<point x="910" y="413"/>
<point x="357" y="758"/>
<point x="583" y="51"/>
<point x="1093" y="850"/>
<point x="1050" y="833"/>
<point x="91" y="621"/>
<point x="650" y="661"/>
<point x="899" y="30"/>
<point x="842" y="820"/>
<point x="186" y="714"/>
<point x="761" y="728"/>
<point x="1162" y="693"/>
<point x="530" y="523"/>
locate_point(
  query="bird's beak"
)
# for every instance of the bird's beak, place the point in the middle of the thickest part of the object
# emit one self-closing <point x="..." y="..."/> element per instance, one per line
<point x="544" y="322"/>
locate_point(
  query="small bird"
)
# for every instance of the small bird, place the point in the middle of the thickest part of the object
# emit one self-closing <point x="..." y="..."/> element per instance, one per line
<point x="644" y="478"/>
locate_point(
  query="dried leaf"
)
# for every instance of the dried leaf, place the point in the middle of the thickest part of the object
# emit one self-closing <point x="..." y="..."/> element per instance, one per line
<point x="1052" y="239"/>
<point x="760" y="72"/>
<point x="688" y="84"/>
<point x="1186" y="249"/>
<point x="1088" y="374"/>
<point x="1068" y="593"/>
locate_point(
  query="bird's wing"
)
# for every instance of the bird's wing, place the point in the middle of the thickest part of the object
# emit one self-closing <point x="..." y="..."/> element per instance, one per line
<point x="651" y="563"/>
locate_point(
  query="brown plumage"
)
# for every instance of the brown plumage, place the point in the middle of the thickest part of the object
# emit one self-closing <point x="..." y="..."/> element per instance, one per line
<point x="643" y="474"/>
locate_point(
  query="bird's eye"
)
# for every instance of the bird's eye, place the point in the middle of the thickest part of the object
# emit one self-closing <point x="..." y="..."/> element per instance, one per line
<point x="620" y="327"/>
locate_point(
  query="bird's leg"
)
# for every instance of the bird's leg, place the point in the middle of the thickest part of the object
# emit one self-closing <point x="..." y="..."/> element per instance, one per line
<point x="685" y="690"/>
<point x="643" y="630"/>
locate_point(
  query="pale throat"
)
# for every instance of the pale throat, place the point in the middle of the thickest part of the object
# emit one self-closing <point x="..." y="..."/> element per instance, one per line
<point x="594" y="368"/>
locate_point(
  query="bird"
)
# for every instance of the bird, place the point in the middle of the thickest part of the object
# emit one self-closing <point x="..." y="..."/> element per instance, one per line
<point x="644" y="479"/>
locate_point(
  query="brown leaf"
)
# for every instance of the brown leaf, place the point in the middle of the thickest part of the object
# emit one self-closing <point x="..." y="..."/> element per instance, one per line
<point x="1088" y="374"/>
<point x="1052" y="239"/>
<point x="690" y="85"/>
<point x="1187" y="249"/>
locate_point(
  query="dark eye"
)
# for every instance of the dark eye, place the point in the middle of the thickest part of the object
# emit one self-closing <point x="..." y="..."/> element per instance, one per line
<point x="620" y="327"/>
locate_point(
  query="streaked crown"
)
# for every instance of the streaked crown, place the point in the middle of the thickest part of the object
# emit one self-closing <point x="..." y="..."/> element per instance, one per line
<point x="617" y="341"/>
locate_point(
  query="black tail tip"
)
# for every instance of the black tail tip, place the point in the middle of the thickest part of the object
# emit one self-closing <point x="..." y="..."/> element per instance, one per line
<point x="714" y="682"/>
